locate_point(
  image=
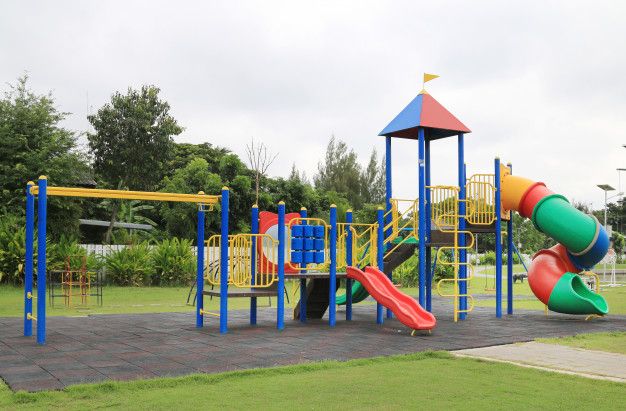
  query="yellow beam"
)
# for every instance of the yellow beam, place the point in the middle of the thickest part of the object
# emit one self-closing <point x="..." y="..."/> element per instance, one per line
<point x="128" y="195"/>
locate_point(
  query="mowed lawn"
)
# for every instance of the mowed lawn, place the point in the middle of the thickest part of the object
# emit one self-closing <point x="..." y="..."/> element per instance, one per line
<point x="608" y="341"/>
<point x="121" y="300"/>
<point x="425" y="380"/>
<point x="118" y="300"/>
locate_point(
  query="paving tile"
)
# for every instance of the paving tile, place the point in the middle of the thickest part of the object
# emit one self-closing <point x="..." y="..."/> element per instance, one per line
<point x="119" y="346"/>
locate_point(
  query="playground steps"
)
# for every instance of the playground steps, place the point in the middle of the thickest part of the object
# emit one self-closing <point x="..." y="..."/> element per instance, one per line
<point x="317" y="291"/>
<point x="398" y="256"/>
<point x="440" y="238"/>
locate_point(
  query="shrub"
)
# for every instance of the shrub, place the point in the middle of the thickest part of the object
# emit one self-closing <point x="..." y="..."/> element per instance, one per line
<point x="68" y="247"/>
<point x="407" y="273"/>
<point x="12" y="249"/>
<point x="489" y="258"/>
<point x="131" y="265"/>
<point x="174" y="262"/>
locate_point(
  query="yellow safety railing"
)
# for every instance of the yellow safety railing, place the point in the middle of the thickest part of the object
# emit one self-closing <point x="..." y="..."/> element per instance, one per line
<point x="212" y="260"/>
<point x="401" y="219"/>
<point x="444" y="203"/>
<point x="480" y="191"/>
<point x="445" y="213"/>
<point x="364" y="237"/>
<point x="312" y="266"/>
<point x="241" y="265"/>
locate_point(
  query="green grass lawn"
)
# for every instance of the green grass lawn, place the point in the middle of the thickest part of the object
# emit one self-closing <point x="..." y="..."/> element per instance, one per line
<point x="119" y="300"/>
<point x="172" y="299"/>
<point x="609" y="341"/>
<point x="425" y="380"/>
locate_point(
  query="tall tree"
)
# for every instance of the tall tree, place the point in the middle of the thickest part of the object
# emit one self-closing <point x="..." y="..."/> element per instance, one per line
<point x="260" y="161"/>
<point x="340" y="172"/>
<point x="133" y="138"/>
<point x="133" y="141"/>
<point x="373" y="180"/>
<point x="33" y="143"/>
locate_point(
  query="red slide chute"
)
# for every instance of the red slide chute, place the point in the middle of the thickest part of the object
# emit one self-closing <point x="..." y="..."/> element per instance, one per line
<point x="407" y="310"/>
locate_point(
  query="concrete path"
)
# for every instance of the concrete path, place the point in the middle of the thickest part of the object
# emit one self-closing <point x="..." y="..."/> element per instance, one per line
<point x="553" y="357"/>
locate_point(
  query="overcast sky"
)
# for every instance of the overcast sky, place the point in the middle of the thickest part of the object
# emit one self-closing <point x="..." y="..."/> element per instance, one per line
<point x="540" y="84"/>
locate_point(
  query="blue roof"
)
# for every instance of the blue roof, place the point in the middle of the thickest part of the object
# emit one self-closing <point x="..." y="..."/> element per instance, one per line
<point x="427" y="113"/>
<point x="408" y="118"/>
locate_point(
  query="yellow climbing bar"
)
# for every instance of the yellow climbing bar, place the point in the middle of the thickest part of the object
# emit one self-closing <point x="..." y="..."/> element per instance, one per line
<point x="128" y="195"/>
<point x="445" y="214"/>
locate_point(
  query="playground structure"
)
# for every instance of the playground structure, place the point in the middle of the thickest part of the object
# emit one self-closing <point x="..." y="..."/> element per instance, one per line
<point x="75" y="283"/>
<point x="316" y="253"/>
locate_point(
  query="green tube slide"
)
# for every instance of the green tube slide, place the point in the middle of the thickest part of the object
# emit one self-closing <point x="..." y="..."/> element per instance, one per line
<point x="555" y="216"/>
<point x="359" y="293"/>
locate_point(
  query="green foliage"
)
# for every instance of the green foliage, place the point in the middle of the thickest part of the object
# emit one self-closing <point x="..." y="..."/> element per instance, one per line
<point x="183" y="153"/>
<point x="133" y="143"/>
<point x="131" y="265"/>
<point x="230" y="167"/>
<point x="180" y="218"/>
<point x="32" y="143"/>
<point x="489" y="258"/>
<point x="67" y="249"/>
<point x="341" y="172"/>
<point x="407" y="273"/>
<point x="12" y="249"/>
<point x="174" y="263"/>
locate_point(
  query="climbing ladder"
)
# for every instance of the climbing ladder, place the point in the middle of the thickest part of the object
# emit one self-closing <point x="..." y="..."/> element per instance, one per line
<point x="445" y="213"/>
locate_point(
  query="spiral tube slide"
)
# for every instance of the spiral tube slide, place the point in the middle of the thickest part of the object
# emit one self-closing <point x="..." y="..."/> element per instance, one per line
<point x="583" y="242"/>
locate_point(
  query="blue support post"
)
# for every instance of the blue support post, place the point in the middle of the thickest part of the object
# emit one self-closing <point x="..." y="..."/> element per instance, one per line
<point x="332" y="292"/>
<point x="429" y="268"/>
<point x="28" y="269"/>
<point x="42" y="206"/>
<point x="388" y="192"/>
<point x="380" y="255"/>
<point x="509" y="260"/>
<point x="498" y="210"/>
<point x="303" y="299"/>
<point x="200" y="267"/>
<point x="224" y="262"/>
<point x="422" y="218"/>
<point x="348" y="263"/>
<point x="462" y="212"/>
<point x="280" y="311"/>
<point x="254" y="227"/>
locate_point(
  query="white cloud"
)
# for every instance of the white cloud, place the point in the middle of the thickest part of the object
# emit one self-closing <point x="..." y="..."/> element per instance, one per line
<point x="540" y="84"/>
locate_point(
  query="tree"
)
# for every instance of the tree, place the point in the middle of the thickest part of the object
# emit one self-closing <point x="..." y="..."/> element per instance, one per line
<point x="183" y="153"/>
<point x="32" y="143"/>
<point x="340" y="172"/>
<point x="260" y="161"/>
<point x="180" y="218"/>
<point x="133" y="140"/>
<point x="373" y="180"/>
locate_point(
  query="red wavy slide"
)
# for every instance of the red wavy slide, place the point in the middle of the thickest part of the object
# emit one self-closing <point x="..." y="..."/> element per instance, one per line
<point x="407" y="310"/>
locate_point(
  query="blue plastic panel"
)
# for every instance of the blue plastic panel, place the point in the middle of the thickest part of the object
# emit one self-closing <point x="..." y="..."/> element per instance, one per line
<point x="319" y="231"/>
<point x="296" y="256"/>
<point x="308" y="231"/>
<point x="309" y="257"/>
<point x="296" y="243"/>
<point x="309" y="244"/>
<point x="319" y="257"/>
<point x="319" y="244"/>
<point x="296" y="230"/>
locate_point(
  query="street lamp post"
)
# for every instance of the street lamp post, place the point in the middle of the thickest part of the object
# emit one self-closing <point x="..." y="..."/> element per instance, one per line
<point x="606" y="188"/>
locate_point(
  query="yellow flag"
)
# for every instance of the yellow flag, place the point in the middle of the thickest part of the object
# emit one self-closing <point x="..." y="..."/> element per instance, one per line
<point x="428" y="77"/>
